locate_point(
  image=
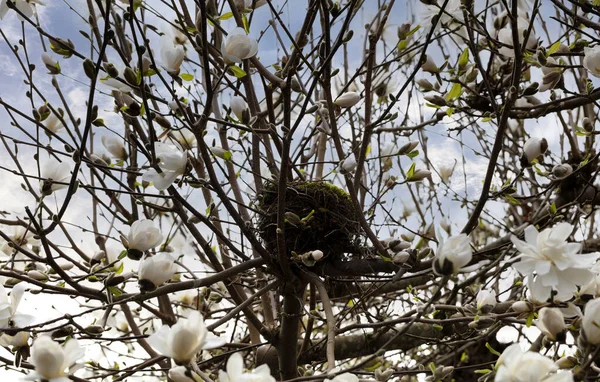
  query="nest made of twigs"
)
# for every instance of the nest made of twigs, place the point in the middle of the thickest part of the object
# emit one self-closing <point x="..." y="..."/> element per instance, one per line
<point x="319" y="216"/>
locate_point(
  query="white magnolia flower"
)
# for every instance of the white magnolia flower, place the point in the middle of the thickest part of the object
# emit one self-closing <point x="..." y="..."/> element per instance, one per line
<point x="156" y="270"/>
<point x="430" y="66"/>
<point x="116" y="85"/>
<point x="55" y="176"/>
<point x="185" y="339"/>
<point x="452" y="13"/>
<point x="9" y="318"/>
<point x="143" y="236"/>
<point x="446" y="172"/>
<point x="506" y="38"/>
<point x="240" y="108"/>
<point x="26" y="7"/>
<point x="534" y="148"/>
<point x="53" y="123"/>
<point x="182" y="374"/>
<point x="592" y="288"/>
<point x="347" y="99"/>
<point x="171" y="160"/>
<point x="346" y="377"/>
<point x="18" y="340"/>
<point x="591" y="60"/>
<point x="171" y="55"/>
<point x="591" y="322"/>
<point x="235" y="371"/>
<point x="114" y="146"/>
<point x="238" y="46"/>
<point x="552" y="323"/>
<point x="453" y="253"/>
<point x="555" y="262"/>
<point x="486" y="297"/>
<point x="185" y="137"/>
<point x="515" y="365"/>
<point x="51" y="360"/>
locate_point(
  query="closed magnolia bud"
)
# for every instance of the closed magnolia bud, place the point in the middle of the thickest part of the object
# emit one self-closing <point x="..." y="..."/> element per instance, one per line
<point x="552" y="323"/>
<point x="425" y="85"/>
<point x="94" y="330"/>
<point x="436" y="100"/>
<point x="430" y="66"/>
<point x="348" y="165"/>
<point x="419" y="175"/>
<point x="588" y="125"/>
<point x="89" y="68"/>
<point x="401" y="257"/>
<point x="111" y="70"/>
<point x="130" y="76"/>
<point x="37" y="275"/>
<point x="561" y="171"/>
<point x="521" y="307"/>
<point x="162" y="121"/>
<point x="347" y="99"/>
<point x="407" y="148"/>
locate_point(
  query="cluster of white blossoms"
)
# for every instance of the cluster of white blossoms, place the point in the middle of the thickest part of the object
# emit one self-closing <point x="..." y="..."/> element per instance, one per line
<point x="515" y="365"/>
<point x="552" y="265"/>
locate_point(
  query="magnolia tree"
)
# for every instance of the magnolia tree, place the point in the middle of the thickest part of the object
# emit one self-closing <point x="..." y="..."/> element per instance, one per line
<point x="243" y="190"/>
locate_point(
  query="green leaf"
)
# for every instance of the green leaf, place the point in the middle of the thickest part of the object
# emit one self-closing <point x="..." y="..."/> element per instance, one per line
<point x="411" y="171"/>
<point x="186" y="76"/>
<point x="553" y="49"/>
<point x="413" y="154"/>
<point x="225" y="16"/>
<point x="245" y="23"/>
<point x="115" y="291"/>
<point x="402" y="44"/>
<point x="483" y="371"/>
<point x="454" y="93"/>
<point x="413" y="30"/>
<point x="492" y="350"/>
<point x="512" y="200"/>
<point x="529" y="320"/>
<point x="227" y="155"/>
<point x="98" y="122"/>
<point x="120" y="269"/>
<point x="553" y="209"/>
<point x="122" y="255"/>
<point x="449" y="111"/>
<point x="464" y="58"/>
<point x="237" y="71"/>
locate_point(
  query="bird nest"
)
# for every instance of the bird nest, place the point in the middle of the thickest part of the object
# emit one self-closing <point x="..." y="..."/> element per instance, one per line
<point x="318" y="216"/>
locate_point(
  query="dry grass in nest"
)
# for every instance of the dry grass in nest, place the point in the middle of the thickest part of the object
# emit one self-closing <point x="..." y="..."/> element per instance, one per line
<point x="327" y="219"/>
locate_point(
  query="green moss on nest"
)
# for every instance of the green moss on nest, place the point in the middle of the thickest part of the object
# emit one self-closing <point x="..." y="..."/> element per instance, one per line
<point x="329" y="220"/>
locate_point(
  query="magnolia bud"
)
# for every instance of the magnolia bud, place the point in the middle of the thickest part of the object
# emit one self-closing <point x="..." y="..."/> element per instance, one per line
<point x="347" y="99"/>
<point x="401" y="257"/>
<point x="588" y="125"/>
<point x="552" y="323"/>
<point x="521" y="307"/>
<point x="430" y="66"/>
<point x="425" y="85"/>
<point x="407" y="148"/>
<point x="533" y="148"/>
<point x="561" y="171"/>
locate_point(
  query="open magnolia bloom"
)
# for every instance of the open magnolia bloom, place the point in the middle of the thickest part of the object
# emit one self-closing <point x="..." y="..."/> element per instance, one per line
<point x="235" y="371"/>
<point x="506" y="38"/>
<point x="238" y="46"/>
<point x="156" y="270"/>
<point x="453" y="253"/>
<point x="52" y="360"/>
<point x="172" y="162"/>
<point x="142" y="236"/>
<point x="55" y="176"/>
<point x="591" y="60"/>
<point x="26" y="7"/>
<point x="515" y="365"/>
<point x="9" y="318"/>
<point x="171" y="55"/>
<point x="557" y="264"/>
<point x="185" y="339"/>
<point x="591" y="322"/>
